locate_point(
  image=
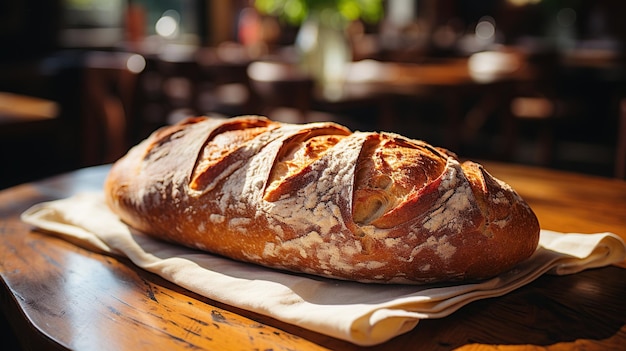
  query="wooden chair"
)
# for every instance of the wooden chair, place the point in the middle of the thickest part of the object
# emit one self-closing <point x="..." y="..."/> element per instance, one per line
<point x="224" y="87"/>
<point x="539" y="104"/>
<point x="109" y="92"/>
<point x="281" y="91"/>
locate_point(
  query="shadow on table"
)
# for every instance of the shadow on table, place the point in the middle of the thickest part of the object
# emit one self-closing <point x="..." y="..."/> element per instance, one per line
<point x="534" y="314"/>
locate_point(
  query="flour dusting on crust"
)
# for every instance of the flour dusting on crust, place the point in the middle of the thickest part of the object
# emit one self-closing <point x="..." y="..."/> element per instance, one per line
<point x="456" y="199"/>
<point x="315" y="209"/>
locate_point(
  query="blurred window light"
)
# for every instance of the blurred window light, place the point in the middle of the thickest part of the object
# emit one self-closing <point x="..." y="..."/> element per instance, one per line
<point x="136" y="63"/>
<point x="401" y="12"/>
<point x="485" y="66"/>
<point x="93" y="13"/>
<point x="486" y="28"/>
<point x="167" y="25"/>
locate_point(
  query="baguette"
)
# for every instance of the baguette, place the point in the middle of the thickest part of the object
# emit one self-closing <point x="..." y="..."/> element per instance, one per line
<point x="320" y="199"/>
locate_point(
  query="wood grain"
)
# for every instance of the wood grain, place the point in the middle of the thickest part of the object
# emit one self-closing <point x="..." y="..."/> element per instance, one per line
<point x="60" y="296"/>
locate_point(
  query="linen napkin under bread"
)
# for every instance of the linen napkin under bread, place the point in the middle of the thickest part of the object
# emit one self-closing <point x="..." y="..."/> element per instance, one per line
<point x="364" y="314"/>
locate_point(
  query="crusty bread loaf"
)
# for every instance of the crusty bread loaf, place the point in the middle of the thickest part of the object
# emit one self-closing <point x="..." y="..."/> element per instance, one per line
<point x="319" y="199"/>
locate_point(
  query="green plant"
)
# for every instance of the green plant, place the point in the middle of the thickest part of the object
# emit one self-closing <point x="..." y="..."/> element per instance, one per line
<point x="295" y="11"/>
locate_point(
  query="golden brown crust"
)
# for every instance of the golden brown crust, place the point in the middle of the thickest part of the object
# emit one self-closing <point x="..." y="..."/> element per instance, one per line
<point x="319" y="199"/>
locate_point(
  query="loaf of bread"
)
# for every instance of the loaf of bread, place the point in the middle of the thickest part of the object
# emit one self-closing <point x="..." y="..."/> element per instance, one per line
<point x="319" y="199"/>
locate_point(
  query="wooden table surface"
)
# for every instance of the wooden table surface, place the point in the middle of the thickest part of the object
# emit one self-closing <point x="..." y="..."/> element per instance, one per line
<point x="57" y="295"/>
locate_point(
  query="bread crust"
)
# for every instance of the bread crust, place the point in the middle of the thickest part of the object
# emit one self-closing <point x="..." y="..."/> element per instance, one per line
<point x="320" y="199"/>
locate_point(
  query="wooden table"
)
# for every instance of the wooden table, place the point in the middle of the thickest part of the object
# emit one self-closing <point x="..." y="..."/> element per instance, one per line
<point x="19" y="113"/>
<point x="469" y="87"/>
<point x="57" y="295"/>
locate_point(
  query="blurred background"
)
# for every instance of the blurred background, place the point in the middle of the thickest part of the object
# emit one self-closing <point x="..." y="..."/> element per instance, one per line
<point x="538" y="82"/>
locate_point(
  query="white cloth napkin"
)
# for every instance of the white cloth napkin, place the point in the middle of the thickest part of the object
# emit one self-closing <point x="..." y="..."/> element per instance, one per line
<point x="364" y="314"/>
